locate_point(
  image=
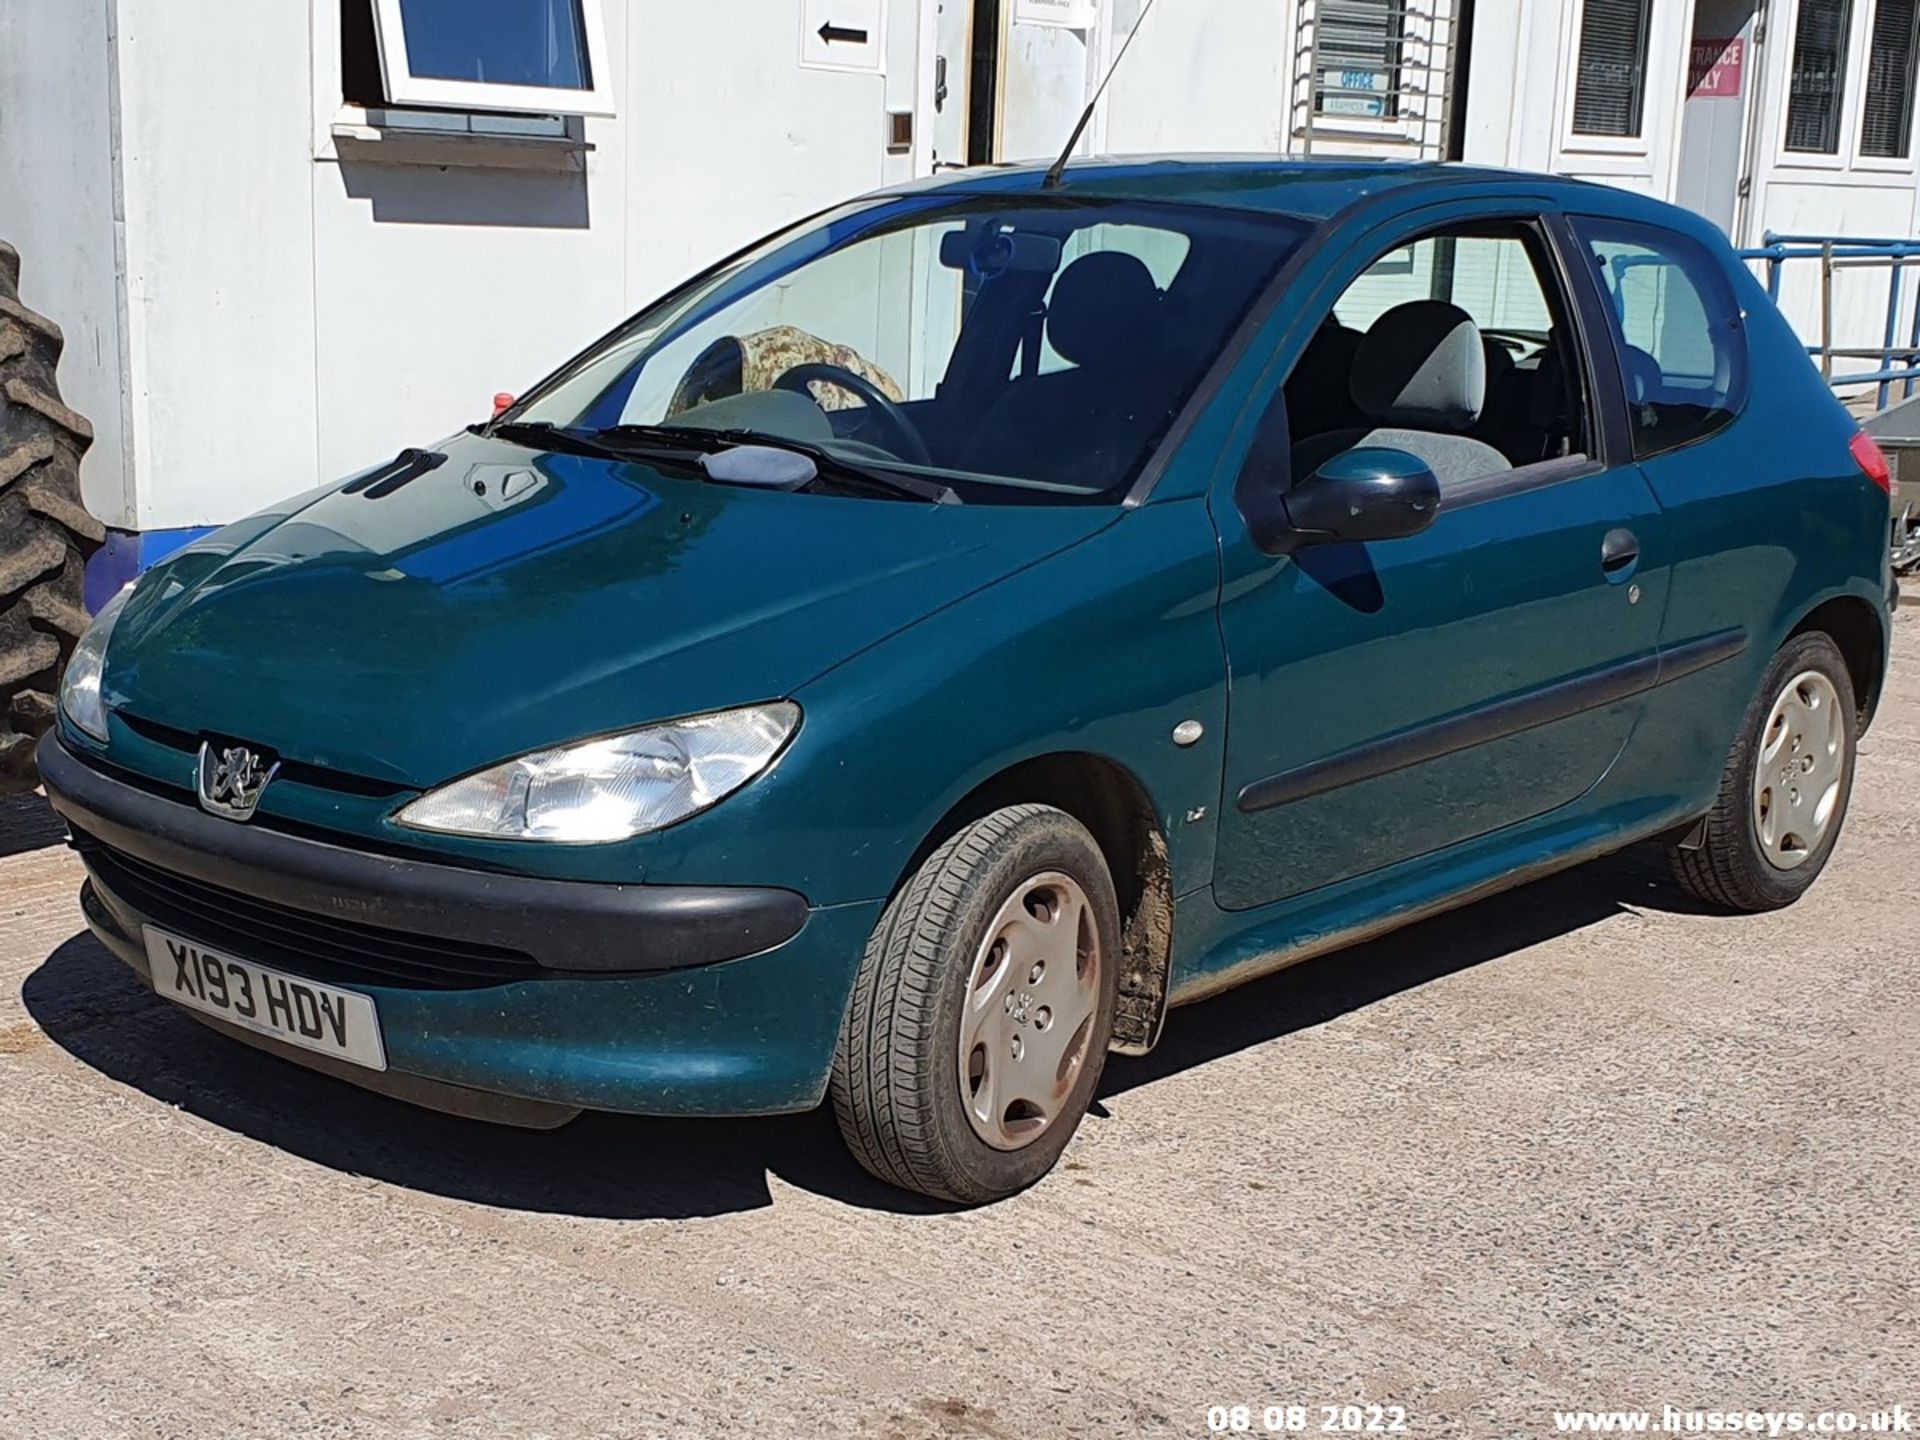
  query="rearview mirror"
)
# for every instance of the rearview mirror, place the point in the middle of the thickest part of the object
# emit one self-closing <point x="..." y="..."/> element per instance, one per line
<point x="1371" y="493"/>
<point x="990" y="250"/>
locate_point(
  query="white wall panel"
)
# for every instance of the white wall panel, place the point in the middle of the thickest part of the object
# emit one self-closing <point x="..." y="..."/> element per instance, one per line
<point x="219" y="255"/>
<point x="57" y="208"/>
<point x="728" y="138"/>
<point x="1205" y="75"/>
<point x="439" y="288"/>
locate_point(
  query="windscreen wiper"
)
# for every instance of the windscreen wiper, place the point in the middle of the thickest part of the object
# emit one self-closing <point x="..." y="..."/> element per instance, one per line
<point x="610" y="444"/>
<point x="839" y="467"/>
<point x="685" y="444"/>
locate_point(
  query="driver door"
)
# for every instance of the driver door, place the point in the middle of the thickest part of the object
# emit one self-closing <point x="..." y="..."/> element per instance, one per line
<point x="1391" y="699"/>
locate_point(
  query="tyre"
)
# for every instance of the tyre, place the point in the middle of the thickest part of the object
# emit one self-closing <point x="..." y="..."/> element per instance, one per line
<point x="1784" y="794"/>
<point x="46" y="534"/>
<point x="981" y="1014"/>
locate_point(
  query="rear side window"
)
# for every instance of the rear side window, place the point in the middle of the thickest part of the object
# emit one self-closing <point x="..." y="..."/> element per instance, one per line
<point x="1677" y="327"/>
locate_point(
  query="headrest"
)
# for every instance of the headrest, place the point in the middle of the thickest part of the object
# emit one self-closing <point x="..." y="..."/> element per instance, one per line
<point x="1422" y="367"/>
<point x="1323" y="378"/>
<point x="1104" y="305"/>
<point x="1547" y="403"/>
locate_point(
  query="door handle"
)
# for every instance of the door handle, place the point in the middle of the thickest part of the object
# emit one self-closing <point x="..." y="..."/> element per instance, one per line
<point x="1618" y="552"/>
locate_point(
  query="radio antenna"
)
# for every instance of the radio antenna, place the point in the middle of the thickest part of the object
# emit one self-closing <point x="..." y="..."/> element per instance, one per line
<point x="1073" y="142"/>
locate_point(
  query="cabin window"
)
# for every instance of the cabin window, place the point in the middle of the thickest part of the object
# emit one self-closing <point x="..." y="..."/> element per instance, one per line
<point x="1818" y="81"/>
<point x="1886" y="129"/>
<point x="541" y="57"/>
<point x="1610" y="70"/>
<point x="1677" y="331"/>
<point x="1357" y="50"/>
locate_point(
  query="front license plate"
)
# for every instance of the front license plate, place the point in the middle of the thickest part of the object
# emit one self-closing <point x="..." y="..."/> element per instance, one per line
<point x="300" y="1012"/>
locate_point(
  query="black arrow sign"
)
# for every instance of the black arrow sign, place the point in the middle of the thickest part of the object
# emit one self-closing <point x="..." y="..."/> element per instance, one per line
<point x="831" y="32"/>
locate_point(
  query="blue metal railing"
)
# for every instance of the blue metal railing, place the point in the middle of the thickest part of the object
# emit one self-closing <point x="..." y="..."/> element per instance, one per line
<point x="1899" y="363"/>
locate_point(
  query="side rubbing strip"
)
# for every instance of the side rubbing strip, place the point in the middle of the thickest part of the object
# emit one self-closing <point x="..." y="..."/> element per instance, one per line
<point x="1699" y="654"/>
<point x="1492" y="722"/>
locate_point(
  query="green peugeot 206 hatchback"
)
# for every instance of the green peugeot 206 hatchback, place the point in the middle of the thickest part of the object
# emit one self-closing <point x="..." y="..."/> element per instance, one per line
<point x="913" y="656"/>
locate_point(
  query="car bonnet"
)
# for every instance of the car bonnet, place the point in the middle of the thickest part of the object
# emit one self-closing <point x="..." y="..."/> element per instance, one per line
<point x="510" y="599"/>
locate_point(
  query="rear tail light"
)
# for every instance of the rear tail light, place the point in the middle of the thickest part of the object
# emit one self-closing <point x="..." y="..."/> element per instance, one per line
<point x="1872" y="460"/>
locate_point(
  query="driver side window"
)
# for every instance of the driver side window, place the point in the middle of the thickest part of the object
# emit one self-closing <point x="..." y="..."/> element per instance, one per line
<point x="1453" y="347"/>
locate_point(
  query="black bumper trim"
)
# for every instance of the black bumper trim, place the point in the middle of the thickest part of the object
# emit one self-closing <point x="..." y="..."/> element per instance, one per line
<point x="565" y="925"/>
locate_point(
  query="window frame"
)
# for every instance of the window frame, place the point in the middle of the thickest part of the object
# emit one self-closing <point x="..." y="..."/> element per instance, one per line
<point x="1841" y="110"/>
<point x="1638" y="134"/>
<point x="1612" y="157"/>
<point x="1606" y="321"/>
<point x="407" y="90"/>
<point x="1905" y="158"/>
<point x="1394" y="55"/>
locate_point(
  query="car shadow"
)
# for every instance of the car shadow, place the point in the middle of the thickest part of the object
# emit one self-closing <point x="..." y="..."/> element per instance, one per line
<point x="605" y="1166"/>
<point x="28" y="822"/>
<point x="629" y="1168"/>
<point x="1318" y="990"/>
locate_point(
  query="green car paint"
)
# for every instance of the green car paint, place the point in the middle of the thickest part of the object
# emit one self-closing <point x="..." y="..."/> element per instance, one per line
<point x="935" y="648"/>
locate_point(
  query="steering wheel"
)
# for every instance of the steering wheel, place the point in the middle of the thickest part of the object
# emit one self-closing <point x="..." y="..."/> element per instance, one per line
<point x="880" y="407"/>
<point x="1521" y="344"/>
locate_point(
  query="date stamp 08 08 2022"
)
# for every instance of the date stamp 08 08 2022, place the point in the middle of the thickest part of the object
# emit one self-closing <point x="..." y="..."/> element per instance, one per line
<point x="1307" y="1419"/>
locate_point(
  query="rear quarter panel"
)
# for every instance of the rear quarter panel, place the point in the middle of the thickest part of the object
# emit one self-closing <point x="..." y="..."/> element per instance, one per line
<point x="1768" y="519"/>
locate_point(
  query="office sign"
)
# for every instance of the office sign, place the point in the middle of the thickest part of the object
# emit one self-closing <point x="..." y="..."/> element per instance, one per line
<point x="1354" y="92"/>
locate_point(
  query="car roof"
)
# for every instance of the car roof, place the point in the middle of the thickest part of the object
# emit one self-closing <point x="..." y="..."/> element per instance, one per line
<point x="1312" y="189"/>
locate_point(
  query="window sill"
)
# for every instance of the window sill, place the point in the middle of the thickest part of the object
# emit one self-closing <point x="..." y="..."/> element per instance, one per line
<point x="1585" y="142"/>
<point x="1889" y="165"/>
<point x="448" y="139"/>
<point x="1360" y="130"/>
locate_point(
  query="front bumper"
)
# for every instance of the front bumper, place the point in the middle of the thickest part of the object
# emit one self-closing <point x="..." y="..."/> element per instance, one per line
<point x="552" y="995"/>
<point x="559" y="924"/>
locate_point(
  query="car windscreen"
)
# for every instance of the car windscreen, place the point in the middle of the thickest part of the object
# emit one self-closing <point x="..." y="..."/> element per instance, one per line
<point x="1018" y="349"/>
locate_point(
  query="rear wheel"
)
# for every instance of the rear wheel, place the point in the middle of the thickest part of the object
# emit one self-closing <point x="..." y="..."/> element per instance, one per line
<point x="981" y="1015"/>
<point x="1784" y="794"/>
<point x="46" y="533"/>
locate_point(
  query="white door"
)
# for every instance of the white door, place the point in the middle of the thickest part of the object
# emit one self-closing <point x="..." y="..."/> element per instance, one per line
<point x="1047" y="75"/>
<point x="1004" y="79"/>
<point x="1721" y="73"/>
<point x="948" y="24"/>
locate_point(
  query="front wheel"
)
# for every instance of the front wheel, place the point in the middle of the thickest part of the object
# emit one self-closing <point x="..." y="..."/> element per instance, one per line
<point x="1785" y="790"/>
<point x="983" y="1007"/>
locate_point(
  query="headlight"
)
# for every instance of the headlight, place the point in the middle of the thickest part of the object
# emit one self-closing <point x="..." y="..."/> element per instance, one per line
<point x="613" y="788"/>
<point x="80" y="686"/>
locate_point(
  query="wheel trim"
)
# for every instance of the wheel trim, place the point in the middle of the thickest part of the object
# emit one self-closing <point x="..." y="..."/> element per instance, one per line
<point x="1032" y="996"/>
<point x="1799" y="770"/>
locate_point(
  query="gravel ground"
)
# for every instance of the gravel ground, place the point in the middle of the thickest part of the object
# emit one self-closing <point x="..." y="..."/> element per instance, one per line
<point x="1579" y="1145"/>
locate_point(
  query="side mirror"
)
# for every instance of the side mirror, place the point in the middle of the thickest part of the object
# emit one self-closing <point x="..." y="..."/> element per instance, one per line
<point x="1371" y="493"/>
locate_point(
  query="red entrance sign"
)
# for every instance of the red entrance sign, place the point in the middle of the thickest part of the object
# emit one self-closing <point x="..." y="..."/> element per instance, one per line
<point x="1716" y="69"/>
